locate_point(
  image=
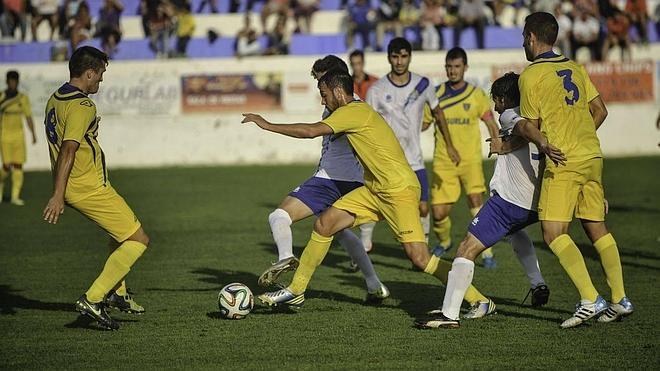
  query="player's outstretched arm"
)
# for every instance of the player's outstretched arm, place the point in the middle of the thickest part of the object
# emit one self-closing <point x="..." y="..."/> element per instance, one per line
<point x="529" y="129"/>
<point x="441" y="121"/>
<point x="65" y="159"/>
<point x="598" y="111"/>
<point x="292" y="130"/>
<point x="30" y="125"/>
<point x="502" y="147"/>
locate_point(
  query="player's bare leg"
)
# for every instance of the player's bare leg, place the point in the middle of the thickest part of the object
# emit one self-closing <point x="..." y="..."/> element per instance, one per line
<point x="608" y="251"/>
<point x="425" y="217"/>
<point x="442" y="227"/>
<point x="4" y="173"/>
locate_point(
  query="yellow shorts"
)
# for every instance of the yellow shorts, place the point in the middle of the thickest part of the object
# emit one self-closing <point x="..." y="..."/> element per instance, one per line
<point x="109" y="211"/>
<point x="13" y="151"/>
<point x="447" y="181"/>
<point x="400" y="210"/>
<point x="574" y="189"/>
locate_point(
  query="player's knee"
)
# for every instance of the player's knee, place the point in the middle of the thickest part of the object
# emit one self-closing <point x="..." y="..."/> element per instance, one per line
<point x="423" y="209"/>
<point x="279" y="214"/>
<point x="439" y="214"/>
<point x="141" y="237"/>
<point x="550" y="235"/>
<point x="323" y="227"/>
<point x="468" y="249"/>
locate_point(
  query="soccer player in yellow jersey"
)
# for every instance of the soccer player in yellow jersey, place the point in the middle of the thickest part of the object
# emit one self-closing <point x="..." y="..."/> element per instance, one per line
<point x="464" y="105"/>
<point x="81" y="181"/>
<point x="391" y="190"/>
<point x="14" y="106"/>
<point x="558" y="97"/>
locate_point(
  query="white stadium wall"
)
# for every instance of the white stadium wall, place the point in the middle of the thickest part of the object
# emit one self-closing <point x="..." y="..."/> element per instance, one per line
<point x="150" y="119"/>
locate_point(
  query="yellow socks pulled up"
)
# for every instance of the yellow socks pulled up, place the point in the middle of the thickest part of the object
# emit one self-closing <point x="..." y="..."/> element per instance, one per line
<point x="571" y="259"/>
<point x="117" y="266"/>
<point x="16" y="183"/>
<point x="609" y="258"/>
<point x="312" y="256"/>
<point x="440" y="269"/>
<point x="442" y="230"/>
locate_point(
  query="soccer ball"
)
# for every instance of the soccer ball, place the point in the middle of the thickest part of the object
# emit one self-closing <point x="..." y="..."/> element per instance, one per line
<point x="235" y="301"/>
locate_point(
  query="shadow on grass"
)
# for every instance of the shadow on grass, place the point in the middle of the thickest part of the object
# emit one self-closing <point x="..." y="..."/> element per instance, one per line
<point x="85" y="322"/>
<point x="589" y="252"/>
<point x="10" y="301"/>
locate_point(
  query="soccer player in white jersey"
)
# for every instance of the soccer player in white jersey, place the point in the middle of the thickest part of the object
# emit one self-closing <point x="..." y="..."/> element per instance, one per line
<point x="400" y="97"/>
<point x="338" y="173"/>
<point x="512" y="206"/>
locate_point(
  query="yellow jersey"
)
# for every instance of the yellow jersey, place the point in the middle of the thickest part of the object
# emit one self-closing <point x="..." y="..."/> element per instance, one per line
<point x="12" y="110"/>
<point x="463" y="108"/>
<point x="71" y="115"/>
<point x="386" y="169"/>
<point x="557" y="91"/>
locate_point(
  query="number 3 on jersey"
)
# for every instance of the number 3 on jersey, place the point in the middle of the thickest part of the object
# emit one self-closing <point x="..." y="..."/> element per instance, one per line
<point x="570" y="86"/>
<point x="50" y="126"/>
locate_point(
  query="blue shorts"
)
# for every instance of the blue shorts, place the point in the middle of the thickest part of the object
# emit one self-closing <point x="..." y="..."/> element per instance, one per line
<point x="499" y="218"/>
<point x="424" y="182"/>
<point x="319" y="193"/>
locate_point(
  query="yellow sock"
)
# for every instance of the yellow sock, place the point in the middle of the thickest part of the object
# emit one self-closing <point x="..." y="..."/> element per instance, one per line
<point x="571" y="259"/>
<point x="116" y="268"/>
<point x="312" y="256"/>
<point x="3" y="177"/>
<point x="609" y="258"/>
<point x="440" y="269"/>
<point x="16" y="183"/>
<point x="442" y="229"/>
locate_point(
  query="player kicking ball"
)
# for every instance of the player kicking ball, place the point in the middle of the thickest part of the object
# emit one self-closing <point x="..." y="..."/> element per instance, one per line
<point x="391" y="190"/>
<point x="511" y="207"/>
<point x="338" y="173"/>
<point x="81" y="181"/>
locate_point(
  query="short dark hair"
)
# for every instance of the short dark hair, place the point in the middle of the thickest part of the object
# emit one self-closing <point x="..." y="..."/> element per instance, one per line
<point x="12" y="75"/>
<point x="543" y="25"/>
<point x="507" y="87"/>
<point x="338" y="78"/>
<point x="86" y="58"/>
<point x="456" y="53"/>
<point x="329" y="62"/>
<point x="397" y="44"/>
<point x="356" y="53"/>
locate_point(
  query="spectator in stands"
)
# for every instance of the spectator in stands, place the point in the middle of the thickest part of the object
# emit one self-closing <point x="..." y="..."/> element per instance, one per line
<point x="159" y="19"/>
<point x="360" y="22"/>
<point x="547" y="6"/>
<point x="302" y="13"/>
<point x="564" y="34"/>
<point x="66" y="14"/>
<point x="432" y="22"/>
<point x="80" y="27"/>
<point x="213" y="4"/>
<point x="107" y="26"/>
<point x="362" y="81"/>
<point x="185" y="28"/>
<point x="586" y="30"/>
<point x="277" y="7"/>
<point x="248" y="44"/>
<point x="409" y="19"/>
<point x="618" y="27"/>
<point x="638" y="13"/>
<point x="13" y="16"/>
<point x="278" y="43"/>
<point x="388" y="21"/>
<point x="44" y="10"/>
<point x="470" y="14"/>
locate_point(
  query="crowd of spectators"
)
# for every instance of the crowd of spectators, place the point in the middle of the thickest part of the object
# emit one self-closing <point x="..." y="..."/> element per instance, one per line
<point x="593" y="25"/>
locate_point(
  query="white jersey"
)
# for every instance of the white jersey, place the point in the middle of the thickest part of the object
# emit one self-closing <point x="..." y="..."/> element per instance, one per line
<point x="516" y="176"/>
<point x="338" y="161"/>
<point x="402" y="107"/>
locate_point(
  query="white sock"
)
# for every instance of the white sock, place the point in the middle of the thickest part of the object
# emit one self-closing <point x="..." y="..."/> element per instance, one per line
<point x="426" y="225"/>
<point x="367" y="233"/>
<point x="526" y="254"/>
<point x="460" y="278"/>
<point x="356" y="251"/>
<point x="280" y="225"/>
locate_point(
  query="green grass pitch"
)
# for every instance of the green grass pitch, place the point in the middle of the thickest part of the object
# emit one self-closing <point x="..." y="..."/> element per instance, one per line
<point x="208" y="227"/>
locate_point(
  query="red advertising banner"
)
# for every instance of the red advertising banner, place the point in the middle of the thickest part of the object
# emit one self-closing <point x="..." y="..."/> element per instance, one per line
<point x="231" y="93"/>
<point x="630" y="82"/>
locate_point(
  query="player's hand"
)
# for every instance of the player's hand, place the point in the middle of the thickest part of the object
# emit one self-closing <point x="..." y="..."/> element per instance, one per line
<point x="495" y="146"/>
<point x="554" y="153"/>
<point x="453" y="155"/>
<point x="253" y="117"/>
<point x="607" y="206"/>
<point x="54" y="209"/>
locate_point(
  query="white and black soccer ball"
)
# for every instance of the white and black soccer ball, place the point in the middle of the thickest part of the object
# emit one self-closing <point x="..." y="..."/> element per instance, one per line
<point x="235" y="301"/>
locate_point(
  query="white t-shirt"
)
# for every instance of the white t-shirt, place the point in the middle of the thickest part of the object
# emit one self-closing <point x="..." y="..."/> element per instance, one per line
<point x="338" y="161"/>
<point x="516" y="176"/>
<point x="402" y="107"/>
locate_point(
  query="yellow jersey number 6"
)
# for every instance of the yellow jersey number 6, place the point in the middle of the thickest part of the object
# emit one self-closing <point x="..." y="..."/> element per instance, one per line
<point x="50" y="126"/>
<point x="570" y="87"/>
